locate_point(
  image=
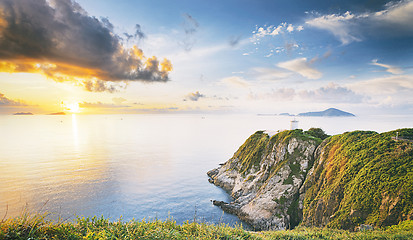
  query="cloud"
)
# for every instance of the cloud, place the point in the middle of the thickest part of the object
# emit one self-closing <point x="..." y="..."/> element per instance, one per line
<point x="235" y="81"/>
<point x="399" y="15"/>
<point x="395" y="20"/>
<point x="106" y="23"/>
<point x="59" y="39"/>
<point x="165" y="109"/>
<point x="319" y="59"/>
<point x="393" y="91"/>
<point x="99" y="86"/>
<point x="389" y="68"/>
<point x="100" y="105"/>
<point x="138" y="32"/>
<point x="270" y="74"/>
<point x="194" y="96"/>
<point x="302" y="67"/>
<point x="190" y="26"/>
<point x="121" y="108"/>
<point x="272" y="30"/>
<point x="265" y="31"/>
<point x="118" y="100"/>
<point x="4" y="101"/>
<point x="289" y="46"/>
<point x="332" y="93"/>
<point x="234" y="40"/>
<point x="281" y="94"/>
<point x="385" y="85"/>
<point x="339" y="25"/>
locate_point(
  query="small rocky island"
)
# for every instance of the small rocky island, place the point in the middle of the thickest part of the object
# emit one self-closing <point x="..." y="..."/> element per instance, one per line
<point x="22" y="113"/>
<point x="308" y="178"/>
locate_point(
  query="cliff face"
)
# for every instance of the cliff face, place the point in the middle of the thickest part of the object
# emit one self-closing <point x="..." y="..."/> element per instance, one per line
<point x="264" y="177"/>
<point x="360" y="178"/>
<point x="349" y="179"/>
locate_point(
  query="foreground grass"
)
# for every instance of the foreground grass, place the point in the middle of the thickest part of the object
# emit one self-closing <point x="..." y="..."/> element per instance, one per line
<point x="37" y="227"/>
<point x="302" y="233"/>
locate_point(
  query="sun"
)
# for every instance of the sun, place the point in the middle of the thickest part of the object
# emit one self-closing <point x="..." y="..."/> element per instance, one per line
<point x="72" y="107"/>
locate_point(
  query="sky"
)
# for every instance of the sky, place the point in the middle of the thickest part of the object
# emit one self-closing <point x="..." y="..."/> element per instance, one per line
<point x="224" y="57"/>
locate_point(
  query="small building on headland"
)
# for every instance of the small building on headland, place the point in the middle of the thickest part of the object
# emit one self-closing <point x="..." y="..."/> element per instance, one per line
<point x="398" y="138"/>
<point x="294" y="124"/>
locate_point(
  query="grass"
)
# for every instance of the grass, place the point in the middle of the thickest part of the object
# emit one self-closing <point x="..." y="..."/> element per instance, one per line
<point x="304" y="233"/>
<point x="38" y="227"/>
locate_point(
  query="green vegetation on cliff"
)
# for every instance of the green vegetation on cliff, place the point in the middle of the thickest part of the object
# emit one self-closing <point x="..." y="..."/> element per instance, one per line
<point x="251" y="152"/>
<point x="317" y="132"/>
<point x="361" y="177"/>
<point x="259" y="145"/>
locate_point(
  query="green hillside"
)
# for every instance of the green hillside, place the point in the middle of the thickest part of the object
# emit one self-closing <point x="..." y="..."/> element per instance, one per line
<point x="361" y="178"/>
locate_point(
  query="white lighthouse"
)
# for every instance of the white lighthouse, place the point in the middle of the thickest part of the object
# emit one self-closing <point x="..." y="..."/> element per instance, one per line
<point x="294" y="124"/>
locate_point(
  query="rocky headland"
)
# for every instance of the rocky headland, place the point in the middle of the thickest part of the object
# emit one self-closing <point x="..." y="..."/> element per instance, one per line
<point x="294" y="177"/>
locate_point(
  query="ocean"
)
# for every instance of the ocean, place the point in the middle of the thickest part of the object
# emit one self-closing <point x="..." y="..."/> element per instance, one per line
<point x="134" y="166"/>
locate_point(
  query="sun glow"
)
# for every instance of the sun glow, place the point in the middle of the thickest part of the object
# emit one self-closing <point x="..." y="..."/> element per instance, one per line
<point x="72" y="107"/>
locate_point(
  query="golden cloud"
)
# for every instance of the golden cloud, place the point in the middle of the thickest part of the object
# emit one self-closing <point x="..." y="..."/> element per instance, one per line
<point x="65" y="44"/>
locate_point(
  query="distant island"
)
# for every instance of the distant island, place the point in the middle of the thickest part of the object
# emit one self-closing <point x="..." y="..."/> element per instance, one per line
<point x="23" y="113"/>
<point x="57" y="113"/>
<point x="286" y="114"/>
<point x="331" y="112"/>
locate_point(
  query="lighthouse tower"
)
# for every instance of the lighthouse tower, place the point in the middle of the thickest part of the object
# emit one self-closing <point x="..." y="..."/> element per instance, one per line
<point x="294" y="124"/>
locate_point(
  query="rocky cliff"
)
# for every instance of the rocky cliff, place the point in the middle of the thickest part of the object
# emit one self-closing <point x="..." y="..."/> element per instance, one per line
<point x="280" y="181"/>
<point x="264" y="177"/>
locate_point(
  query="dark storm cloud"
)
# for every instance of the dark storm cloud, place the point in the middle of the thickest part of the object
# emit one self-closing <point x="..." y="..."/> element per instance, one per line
<point x="59" y="39"/>
<point x="107" y="23"/>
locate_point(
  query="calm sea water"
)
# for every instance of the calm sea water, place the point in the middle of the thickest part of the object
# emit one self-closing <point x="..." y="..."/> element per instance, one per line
<point x="134" y="166"/>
